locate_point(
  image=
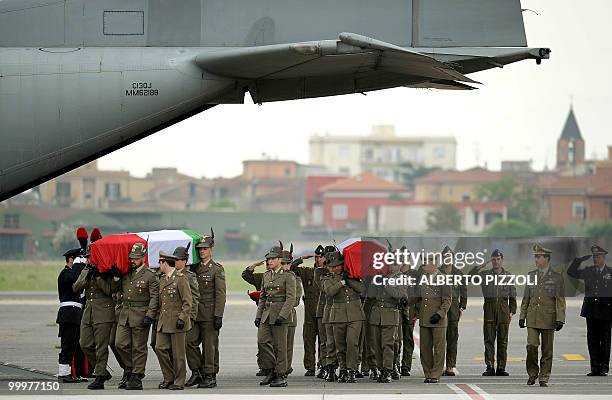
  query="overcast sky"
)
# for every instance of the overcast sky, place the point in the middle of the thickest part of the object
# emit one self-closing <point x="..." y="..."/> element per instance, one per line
<point x="517" y="114"/>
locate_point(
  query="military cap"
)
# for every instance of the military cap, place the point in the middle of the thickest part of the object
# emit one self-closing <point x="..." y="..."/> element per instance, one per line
<point x="334" y="258"/>
<point x="330" y="249"/>
<point x="598" y="251"/>
<point x="72" y="253"/>
<point x="181" y="253"/>
<point x="497" y="253"/>
<point x="287" y="255"/>
<point x="447" y="249"/>
<point x="206" y="241"/>
<point x="275" y="252"/>
<point x="166" y="257"/>
<point x="320" y="250"/>
<point x="538" y="250"/>
<point x="139" y="250"/>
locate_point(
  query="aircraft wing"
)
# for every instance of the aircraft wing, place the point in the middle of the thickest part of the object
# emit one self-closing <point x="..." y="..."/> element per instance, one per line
<point x="351" y="54"/>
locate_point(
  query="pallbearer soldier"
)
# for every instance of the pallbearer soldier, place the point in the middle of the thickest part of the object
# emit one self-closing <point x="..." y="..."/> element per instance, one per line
<point x="330" y="345"/>
<point x="319" y="271"/>
<point x="434" y="303"/>
<point x="181" y="254"/>
<point x="346" y="315"/>
<point x="310" y="330"/>
<point x="97" y="321"/>
<point x="174" y="320"/>
<point x="543" y="312"/>
<point x="68" y="316"/>
<point x="211" y="286"/>
<point x="596" y="307"/>
<point x="408" y="317"/>
<point x="140" y="299"/>
<point x="286" y="259"/>
<point x="273" y="317"/>
<point x="499" y="307"/>
<point x="255" y="278"/>
<point x="458" y="305"/>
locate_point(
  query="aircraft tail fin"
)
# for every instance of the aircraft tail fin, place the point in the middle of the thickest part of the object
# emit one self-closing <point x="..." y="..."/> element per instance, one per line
<point x="468" y="23"/>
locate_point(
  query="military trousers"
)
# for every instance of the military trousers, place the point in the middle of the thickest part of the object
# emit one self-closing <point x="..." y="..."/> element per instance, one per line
<point x="598" y="342"/>
<point x="322" y="342"/>
<point x="382" y="339"/>
<point x="290" y="340"/>
<point x="131" y="343"/>
<point x="346" y="340"/>
<point x="397" y="347"/>
<point x="330" y="345"/>
<point x="206" y="359"/>
<point x="69" y="343"/>
<point x="170" y="350"/>
<point x="433" y="346"/>
<point x="113" y="346"/>
<point x="496" y="331"/>
<point x="310" y="332"/>
<point x="547" y="337"/>
<point x="368" y="359"/>
<point x="272" y="344"/>
<point x="452" y="341"/>
<point x="407" y="342"/>
<point x="94" y="341"/>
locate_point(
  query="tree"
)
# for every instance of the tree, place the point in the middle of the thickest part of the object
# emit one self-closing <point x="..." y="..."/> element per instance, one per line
<point x="600" y="231"/>
<point x="445" y="218"/>
<point x="513" y="228"/>
<point x="523" y="205"/>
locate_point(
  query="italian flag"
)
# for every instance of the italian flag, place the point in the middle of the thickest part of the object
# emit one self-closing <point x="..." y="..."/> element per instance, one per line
<point x="114" y="249"/>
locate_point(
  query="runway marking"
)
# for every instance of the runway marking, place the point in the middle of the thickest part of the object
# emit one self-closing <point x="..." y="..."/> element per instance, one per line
<point x="468" y="391"/>
<point x="509" y="359"/>
<point x="573" y="357"/>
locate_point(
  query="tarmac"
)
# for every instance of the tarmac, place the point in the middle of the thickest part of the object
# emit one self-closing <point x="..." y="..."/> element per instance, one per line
<point x="29" y="348"/>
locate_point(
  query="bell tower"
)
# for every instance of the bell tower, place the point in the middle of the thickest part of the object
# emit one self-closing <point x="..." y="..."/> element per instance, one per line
<point x="570" y="145"/>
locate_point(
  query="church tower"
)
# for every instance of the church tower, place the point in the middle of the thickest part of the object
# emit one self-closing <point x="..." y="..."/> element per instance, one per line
<point x="570" y="146"/>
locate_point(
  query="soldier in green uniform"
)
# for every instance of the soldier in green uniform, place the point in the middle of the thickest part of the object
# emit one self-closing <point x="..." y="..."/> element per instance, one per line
<point x="434" y="303"/>
<point x="543" y="313"/>
<point x="208" y="323"/>
<point x="458" y="305"/>
<point x="173" y="321"/>
<point x="97" y="321"/>
<point x="155" y="269"/>
<point x="286" y="260"/>
<point x="310" y="330"/>
<point x="181" y="254"/>
<point x="408" y="317"/>
<point x="140" y="296"/>
<point x="319" y="271"/>
<point x="113" y="338"/>
<point x="368" y="358"/>
<point x="499" y="307"/>
<point x="255" y="278"/>
<point x="346" y="315"/>
<point x="330" y="345"/>
<point x="273" y="316"/>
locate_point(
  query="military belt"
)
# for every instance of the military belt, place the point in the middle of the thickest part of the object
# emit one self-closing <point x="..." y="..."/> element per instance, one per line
<point x="386" y="304"/>
<point x="350" y="300"/>
<point x="275" y="299"/>
<point x="99" y="297"/>
<point x="131" y="303"/>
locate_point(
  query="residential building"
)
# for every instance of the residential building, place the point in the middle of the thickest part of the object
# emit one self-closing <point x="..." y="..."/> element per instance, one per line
<point x="452" y="186"/>
<point x="382" y="153"/>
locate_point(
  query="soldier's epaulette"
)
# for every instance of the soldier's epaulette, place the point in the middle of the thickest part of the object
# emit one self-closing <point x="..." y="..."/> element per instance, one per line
<point x="218" y="264"/>
<point x="179" y="273"/>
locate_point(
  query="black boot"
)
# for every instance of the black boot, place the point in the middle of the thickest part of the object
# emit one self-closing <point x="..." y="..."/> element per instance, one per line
<point x="405" y="371"/>
<point x="342" y="376"/>
<point x="489" y="371"/>
<point x="268" y="379"/>
<point x="262" y="372"/>
<point x="208" y="381"/>
<point x="501" y="372"/>
<point x="321" y="374"/>
<point x="350" y="378"/>
<point x="385" y="376"/>
<point x="331" y="374"/>
<point x="97" y="384"/>
<point x="124" y="380"/>
<point x="358" y="374"/>
<point x="310" y="372"/>
<point x="374" y="374"/>
<point x="395" y="374"/>
<point x="68" y="379"/>
<point x="279" y="381"/>
<point x="134" y="382"/>
<point x="364" y="372"/>
<point x="164" y="385"/>
<point x="196" y="378"/>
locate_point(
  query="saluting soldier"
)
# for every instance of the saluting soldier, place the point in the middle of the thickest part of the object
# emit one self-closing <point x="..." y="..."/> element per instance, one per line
<point x="68" y="316"/>
<point x="596" y="307"/>
<point x="212" y="289"/>
<point x="458" y="305"/>
<point x="97" y="320"/>
<point x="273" y="316"/>
<point x="286" y="260"/>
<point x="181" y="255"/>
<point x="310" y="330"/>
<point x="140" y="299"/>
<point x="175" y="302"/>
<point x="255" y="278"/>
<point x="346" y="315"/>
<point x="499" y="307"/>
<point x="319" y="271"/>
<point x="543" y="312"/>
<point x="433" y="305"/>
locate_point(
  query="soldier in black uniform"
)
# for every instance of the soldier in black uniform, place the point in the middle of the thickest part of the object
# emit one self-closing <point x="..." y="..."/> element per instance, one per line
<point x="68" y="316"/>
<point x="596" y="307"/>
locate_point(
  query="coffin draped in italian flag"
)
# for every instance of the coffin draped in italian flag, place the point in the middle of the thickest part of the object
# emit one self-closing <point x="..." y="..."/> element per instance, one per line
<point x="114" y="249"/>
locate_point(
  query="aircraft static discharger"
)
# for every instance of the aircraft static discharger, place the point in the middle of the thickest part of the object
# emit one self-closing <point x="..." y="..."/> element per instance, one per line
<point x="82" y="78"/>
